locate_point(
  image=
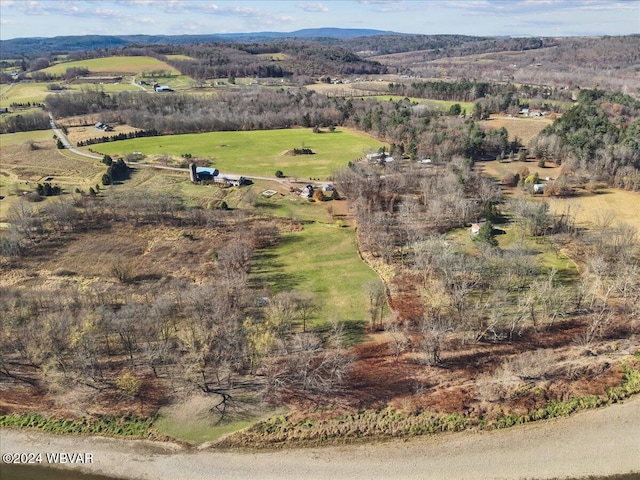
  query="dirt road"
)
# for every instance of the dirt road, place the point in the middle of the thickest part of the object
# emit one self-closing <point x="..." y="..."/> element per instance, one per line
<point x="598" y="442"/>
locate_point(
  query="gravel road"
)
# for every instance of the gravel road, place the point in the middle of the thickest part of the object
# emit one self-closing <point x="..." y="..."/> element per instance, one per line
<point x="597" y="442"/>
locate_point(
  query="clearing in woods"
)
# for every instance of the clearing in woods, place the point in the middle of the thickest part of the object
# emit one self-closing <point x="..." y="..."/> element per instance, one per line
<point x="524" y="128"/>
<point x="587" y="207"/>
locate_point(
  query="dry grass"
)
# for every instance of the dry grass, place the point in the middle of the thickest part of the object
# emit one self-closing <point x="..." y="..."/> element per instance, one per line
<point x="77" y="134"/>
<point x="524" y="128"/>
<point x="498" y="170"/>
<point x="587" y="207"/>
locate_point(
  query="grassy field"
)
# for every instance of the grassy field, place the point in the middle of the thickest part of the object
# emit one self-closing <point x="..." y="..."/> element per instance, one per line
<point x="179" y="57"/>
<point x="622" y="204"/>
<point x="525" y="128"/>
<point x="8" y="139"/>
<point x="258" y="152"/>
<point x="443" y="105"/>
<point x="113" y="65"/>
<point x="498" y="170"/>
<point x="586" y="206"/>
<point x="24" y="92"/>
<point x="322" y="259"/>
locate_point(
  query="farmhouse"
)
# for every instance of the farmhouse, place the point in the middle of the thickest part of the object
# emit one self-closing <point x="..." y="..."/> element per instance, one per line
<point x="307" y="191"/>
<point x="161" y="88"/>
<point x="204" y="174"/>
<point x="475" y="227"/>
<point x="104" y="127"/>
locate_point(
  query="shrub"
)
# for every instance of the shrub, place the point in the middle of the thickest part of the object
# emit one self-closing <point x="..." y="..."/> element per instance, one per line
<point x="279" y="174"/>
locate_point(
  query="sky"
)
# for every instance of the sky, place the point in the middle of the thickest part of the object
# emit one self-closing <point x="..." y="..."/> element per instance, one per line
<point x="50" y="18"/>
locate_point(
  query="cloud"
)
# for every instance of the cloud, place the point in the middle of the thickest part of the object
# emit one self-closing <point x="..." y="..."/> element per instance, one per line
<point x="313" y="7"/>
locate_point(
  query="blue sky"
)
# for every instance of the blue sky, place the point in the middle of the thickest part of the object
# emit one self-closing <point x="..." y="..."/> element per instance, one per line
<point x="49" y="18"/>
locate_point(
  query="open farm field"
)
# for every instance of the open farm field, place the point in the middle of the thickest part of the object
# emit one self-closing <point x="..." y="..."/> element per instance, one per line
<point x="498" y="170"/>
<point x="588" y="207"/>
<point x="443" y="105"/>
<point x="25" y="92"/>
<point x="123" y="64"/>
<point x="258" y="152"/>
<point x="77" y="134"/>
<point x="8" y="139"/>
<point x="622" y="205"/>
<point x="36" y="92"/>
<point x="376" y="89"/>
<point x="179" y="57"/>
<point x="524" y="128"/>
<point x="22" y="168"/>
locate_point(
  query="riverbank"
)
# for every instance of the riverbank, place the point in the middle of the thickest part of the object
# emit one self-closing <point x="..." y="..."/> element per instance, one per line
<point x="599" y="442"/>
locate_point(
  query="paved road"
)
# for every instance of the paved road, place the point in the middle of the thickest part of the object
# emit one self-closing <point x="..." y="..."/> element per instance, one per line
<point x="67" y="145"/>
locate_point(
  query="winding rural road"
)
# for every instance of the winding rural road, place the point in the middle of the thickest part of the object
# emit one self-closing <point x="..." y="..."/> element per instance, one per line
<point x="67" y="145"/>
<point x="599" y="442"/>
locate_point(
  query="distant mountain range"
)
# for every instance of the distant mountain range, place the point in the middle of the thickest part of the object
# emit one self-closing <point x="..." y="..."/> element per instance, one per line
<point x="18" y="47"/>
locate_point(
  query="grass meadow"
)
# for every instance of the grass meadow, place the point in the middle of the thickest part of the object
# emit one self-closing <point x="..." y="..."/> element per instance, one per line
<point x="260" y="152"/>
<point x="105" y="65"/>
<point x="36" y="92"/>
<point x="524" y="128"/>
<point x="322" y="259"/>
<point x="443" y="105"/>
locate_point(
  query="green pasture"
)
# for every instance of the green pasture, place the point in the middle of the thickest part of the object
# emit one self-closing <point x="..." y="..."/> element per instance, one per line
<point x="322" y="259"/>
<point x="259" y="152"/>
<point x="443" y="105"/>
<point x="24" y="92"/>
<point x="125" y="64"/>
<point x="36" y="92"/>
<point x="7" y="139"/>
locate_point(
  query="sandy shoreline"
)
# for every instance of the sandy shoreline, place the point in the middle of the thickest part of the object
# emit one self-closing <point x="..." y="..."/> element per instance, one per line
<point x="597" y="442"/>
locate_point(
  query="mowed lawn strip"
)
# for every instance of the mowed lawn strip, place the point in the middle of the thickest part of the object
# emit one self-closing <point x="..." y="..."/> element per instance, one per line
<point x="125" y="64"/>
<point x="260" y="152"/>
<point x="322" y="259"/>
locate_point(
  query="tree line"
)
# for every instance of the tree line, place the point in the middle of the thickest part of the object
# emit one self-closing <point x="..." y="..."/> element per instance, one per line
<point x="598" y="138"/>
<point x="118" y="136"/>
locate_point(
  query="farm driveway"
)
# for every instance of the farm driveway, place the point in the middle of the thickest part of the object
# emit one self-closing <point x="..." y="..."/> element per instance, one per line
<point x="598" y="442"/>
